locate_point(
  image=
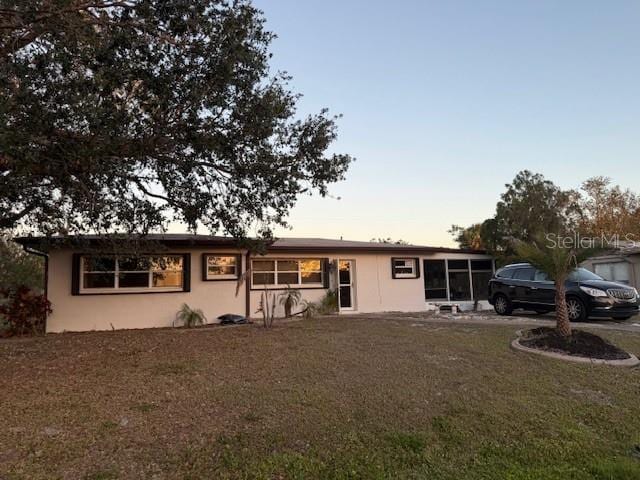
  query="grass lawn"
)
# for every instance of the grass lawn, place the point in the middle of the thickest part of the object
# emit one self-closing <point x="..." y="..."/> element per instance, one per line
<point x="330" y="398"/>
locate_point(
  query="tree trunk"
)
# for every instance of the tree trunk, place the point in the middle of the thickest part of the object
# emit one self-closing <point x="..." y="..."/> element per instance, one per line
<point x="563" y="325"/>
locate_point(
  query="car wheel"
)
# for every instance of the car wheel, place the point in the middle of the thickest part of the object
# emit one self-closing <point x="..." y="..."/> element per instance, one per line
<point x="502" y="305"/>
<point x="577" y="310"/>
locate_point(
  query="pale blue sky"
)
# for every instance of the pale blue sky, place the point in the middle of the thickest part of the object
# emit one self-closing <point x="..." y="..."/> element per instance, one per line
<point x="444" y="102"/>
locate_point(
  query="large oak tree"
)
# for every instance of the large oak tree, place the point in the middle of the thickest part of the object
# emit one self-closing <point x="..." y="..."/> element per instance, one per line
<point x="123" y="115"/>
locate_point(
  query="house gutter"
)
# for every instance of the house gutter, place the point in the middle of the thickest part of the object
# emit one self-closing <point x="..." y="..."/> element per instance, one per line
<point x="247" y="285"/>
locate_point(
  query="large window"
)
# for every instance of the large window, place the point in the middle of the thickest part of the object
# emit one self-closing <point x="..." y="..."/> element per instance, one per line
<point x="305" y="272"/>
<point x="122" y="274"/>
<point x="404" y="268"/>
<point x="614" y="271"/>
<point x="457" y="279"/>
<point x="221" y="267"/>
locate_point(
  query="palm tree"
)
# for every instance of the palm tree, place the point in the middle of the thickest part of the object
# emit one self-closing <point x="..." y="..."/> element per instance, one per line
<point x="557" y="262"/>
<point x="190" y="317"/>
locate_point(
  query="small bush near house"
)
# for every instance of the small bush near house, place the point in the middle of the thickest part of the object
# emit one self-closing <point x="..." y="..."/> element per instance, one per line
<point x="22" y="312"/>
<point x="190" y="317"/>
<point x="289" y="299"/>
<point x="326" y="306"/>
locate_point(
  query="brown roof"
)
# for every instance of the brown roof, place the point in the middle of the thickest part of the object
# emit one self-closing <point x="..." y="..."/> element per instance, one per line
<point x="279" y="245"/>
<point x="326" y="244"/>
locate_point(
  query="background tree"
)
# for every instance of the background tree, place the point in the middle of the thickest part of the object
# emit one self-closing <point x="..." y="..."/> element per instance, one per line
<point x="123" y="115"/>
<point x="468" y="237"/>
<point x="608" y="210"/>
<point x="530" y="207"/>
<point x="389" y="240"/>
<point x="533" y="205"/>
<point x="19" y="268"/>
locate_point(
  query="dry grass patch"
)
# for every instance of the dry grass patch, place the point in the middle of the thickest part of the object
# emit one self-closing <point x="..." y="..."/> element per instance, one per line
<point x="334" y="398"/>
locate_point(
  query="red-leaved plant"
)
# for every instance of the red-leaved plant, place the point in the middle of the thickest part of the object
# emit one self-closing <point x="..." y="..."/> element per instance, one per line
<point x="23" y="311"/>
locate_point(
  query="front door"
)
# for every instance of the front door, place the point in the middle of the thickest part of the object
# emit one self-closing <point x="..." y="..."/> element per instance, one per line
<point x="346" y="284"/>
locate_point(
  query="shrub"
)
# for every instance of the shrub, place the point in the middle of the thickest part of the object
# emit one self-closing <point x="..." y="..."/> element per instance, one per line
<point x="329" y="303"/>
<point x="326" y="306"/>
<point x="190" y="317"/>
<point x="23" y="311"/>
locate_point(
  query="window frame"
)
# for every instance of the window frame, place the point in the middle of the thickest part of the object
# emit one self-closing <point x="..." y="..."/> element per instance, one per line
<point x="446" y="281"/>
<point x="283" y="286"/>
<point x="469" y="280"/>
<point x="222" y="277"/>
<point x="404" y="276"/>
<point x="610" y="264"/>
<point x="469" y="270"/>
<point x="476" y="270"/>
<point x="78" y="272"/>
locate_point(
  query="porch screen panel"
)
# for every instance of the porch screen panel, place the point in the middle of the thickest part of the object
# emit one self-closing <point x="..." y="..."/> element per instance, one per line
<point x="435" y="280"/>
<point x="481" y="273"/>
<point x="459" y="284"/>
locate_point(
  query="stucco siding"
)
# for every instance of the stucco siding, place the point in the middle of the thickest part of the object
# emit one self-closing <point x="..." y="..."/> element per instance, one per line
<point x="135" y="310"/>
<point x="375" y="290"/>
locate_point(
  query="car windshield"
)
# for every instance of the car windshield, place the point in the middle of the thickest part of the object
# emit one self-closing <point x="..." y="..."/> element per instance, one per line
<point x="582" y="275"/>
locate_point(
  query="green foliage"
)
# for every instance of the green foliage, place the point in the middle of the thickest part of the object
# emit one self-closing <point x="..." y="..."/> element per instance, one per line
<point x="533" y="205"/>
<point x="530" y="207"/>
<point x="557" y="261"/>
<point x="123" y="116"/>
<point x="552" y="258"/>
<point x="18" y="267"/>
<point x="190" y="317"/>
<point x="289" y="299"/>
<point x="389" y="240"/>
<point x="468" y="237"/>
<point x="23" y="311"/>
<point x="327" y="305"/>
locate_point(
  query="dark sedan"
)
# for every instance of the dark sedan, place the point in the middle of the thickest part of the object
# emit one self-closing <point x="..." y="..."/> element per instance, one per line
<point x="520" y="285"/>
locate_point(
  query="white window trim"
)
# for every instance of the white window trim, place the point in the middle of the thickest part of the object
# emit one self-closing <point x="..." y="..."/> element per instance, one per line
<point x="82" y="290"/>
<point x="275" y="272"/>
<point x="414" y="267"/>
<point x="225" y="276"/>
<point x="610" y="263"/>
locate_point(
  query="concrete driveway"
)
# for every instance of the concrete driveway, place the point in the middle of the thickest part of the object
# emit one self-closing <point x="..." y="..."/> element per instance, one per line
<point x="519" y="318"/>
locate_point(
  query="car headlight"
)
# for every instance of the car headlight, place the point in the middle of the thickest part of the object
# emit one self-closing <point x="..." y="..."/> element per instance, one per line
<point x="637" y="294"/>
<point x="594" y="292"/>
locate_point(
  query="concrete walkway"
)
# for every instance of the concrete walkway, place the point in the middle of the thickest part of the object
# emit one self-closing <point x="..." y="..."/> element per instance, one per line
<point x="517" y="320"/>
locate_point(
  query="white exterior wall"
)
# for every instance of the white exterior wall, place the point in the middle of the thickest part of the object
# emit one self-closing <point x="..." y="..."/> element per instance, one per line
<point x="375" y="288"/>
<point x="375" y="291"/>
<point x="136" y="310"/>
